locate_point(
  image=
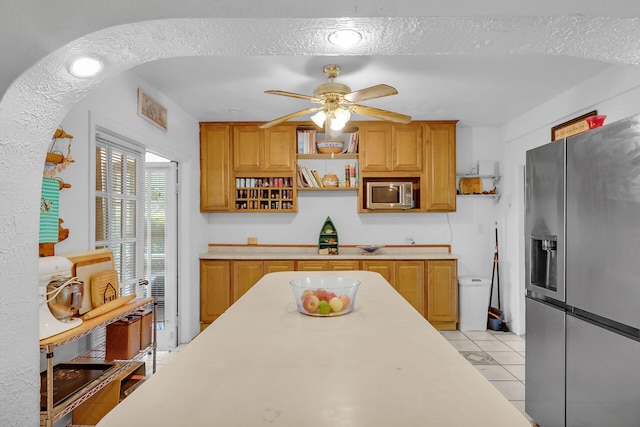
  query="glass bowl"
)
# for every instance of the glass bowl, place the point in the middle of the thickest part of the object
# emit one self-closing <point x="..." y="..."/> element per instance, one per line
<point x="370" y="249"/>
<point x="325" y="296"/>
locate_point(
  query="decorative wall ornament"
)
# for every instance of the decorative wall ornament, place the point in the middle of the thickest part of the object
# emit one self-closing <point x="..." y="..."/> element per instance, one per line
<point x="572" y="127"/>
<point x="151" y="110"/>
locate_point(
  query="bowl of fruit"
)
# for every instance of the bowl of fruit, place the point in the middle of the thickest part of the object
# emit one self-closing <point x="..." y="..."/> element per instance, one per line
<point x="325" y="296"/>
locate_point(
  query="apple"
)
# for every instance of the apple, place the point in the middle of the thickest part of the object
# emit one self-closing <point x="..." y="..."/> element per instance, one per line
<point x="330" y="295"/>
<point x="346" y="301"/>
<point x="325" y="308"/>
<point x="311" y="303"/>
<point x="306" y="293"/>
<point x="321" y="294"/>
<point x="336" y="304"/>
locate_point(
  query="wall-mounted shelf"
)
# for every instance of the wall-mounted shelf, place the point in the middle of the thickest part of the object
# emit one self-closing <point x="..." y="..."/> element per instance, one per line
<point x="494" y="179"/>
<point x="328" y="156"/>
<point x="327" y="189"/>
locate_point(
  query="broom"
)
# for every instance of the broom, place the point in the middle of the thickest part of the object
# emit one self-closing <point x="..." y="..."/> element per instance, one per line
<point x="496" y="315"/>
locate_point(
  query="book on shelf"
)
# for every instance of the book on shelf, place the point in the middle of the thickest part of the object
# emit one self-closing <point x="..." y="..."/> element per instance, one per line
<point x="352" y="146"/>
<point x="317" y="178"/>
<point x="302" y="181"/>
<point x="351" y="175"/>
<point x="306" y="141"/>
<point x="308" y="177"/>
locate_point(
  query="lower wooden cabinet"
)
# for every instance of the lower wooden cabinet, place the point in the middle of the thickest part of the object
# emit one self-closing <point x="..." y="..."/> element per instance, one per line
<point x="342" y="265"/>
<point x="442" y="294"/>
<point x="431" y="286"/>
<point x="247" y="273"/>
<point x="406" y="277"/>
<point x="408" y="280"/>
<point x="215" y="289"/>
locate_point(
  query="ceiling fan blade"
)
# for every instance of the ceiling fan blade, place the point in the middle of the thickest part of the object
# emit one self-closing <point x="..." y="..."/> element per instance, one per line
<point x="288" y="116"/>
<point x="380" y="114"/>
<point x="294" y="95"/>
<point x="372" y="92"/>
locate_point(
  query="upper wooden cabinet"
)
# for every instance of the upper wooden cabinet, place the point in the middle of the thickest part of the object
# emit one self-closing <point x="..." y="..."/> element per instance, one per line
<point x="233" y="155"/>
<point x="214" y="167"/>
<point x="387" y="147"/>
<point x="263" y="150"/>
<point x="440" y="182"/>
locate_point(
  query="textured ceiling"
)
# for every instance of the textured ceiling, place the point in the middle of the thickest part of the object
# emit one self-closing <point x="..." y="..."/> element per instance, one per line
<point x="482" y="64"/>
<point x="478" y="90"/>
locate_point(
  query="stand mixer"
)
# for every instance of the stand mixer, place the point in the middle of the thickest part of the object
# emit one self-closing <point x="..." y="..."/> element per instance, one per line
<point x="60" y="296"/>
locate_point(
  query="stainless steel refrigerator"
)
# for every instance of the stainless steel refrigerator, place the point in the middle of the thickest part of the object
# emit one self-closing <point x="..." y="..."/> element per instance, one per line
<point x="582" y="261"/>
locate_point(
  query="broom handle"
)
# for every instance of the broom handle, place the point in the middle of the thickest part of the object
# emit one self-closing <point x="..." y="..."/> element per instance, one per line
<point x="497" y="267"/>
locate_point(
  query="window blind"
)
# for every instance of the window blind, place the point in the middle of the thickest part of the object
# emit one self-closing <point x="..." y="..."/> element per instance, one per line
<point x="119" y="206"/>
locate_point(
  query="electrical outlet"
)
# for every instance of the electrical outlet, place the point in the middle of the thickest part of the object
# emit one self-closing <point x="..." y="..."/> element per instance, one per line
<point x="252" y="241"/>
<point x="409" y="240"/>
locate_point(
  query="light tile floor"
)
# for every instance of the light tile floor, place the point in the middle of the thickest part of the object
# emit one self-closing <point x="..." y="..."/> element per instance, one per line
<point x="499" y="356"/>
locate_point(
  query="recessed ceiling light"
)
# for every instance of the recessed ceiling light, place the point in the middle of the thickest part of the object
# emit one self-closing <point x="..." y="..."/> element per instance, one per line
<point x="85" y="67"/>
<point x="345" y="38"/>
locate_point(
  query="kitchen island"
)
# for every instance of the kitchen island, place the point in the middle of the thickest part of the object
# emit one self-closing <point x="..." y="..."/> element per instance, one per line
<point x="263" y="363"/>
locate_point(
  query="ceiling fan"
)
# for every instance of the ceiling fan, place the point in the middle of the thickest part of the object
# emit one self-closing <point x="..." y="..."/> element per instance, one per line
<point x="338" y="102"/>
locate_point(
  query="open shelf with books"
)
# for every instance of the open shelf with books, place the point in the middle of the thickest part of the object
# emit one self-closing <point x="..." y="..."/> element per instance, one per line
<point x="327" y="162"/>
<point x="337" y="176"/>
<point x="308" y="138"/>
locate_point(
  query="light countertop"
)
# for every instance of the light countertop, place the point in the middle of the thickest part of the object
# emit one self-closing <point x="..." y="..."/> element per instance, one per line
<point x="267" y="252"/>
<point x="263" y="363"/>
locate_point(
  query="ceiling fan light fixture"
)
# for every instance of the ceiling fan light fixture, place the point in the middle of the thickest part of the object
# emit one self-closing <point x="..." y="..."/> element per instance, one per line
<point x="342" y="114"/>
<point x="319" y="118"/>
<point x="345" y="38"/>
<point x="337" y="124"/>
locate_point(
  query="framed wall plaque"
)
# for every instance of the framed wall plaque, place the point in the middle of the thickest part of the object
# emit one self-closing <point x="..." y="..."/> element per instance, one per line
<point x="572" y="127"/>
<point x="151" y="110"/>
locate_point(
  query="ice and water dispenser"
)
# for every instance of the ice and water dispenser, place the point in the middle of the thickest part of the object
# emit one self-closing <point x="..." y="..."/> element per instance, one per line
<point x="544" y="262"/>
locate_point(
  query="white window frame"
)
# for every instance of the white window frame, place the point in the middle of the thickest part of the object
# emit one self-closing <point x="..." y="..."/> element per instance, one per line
<point x="104" y="138"/>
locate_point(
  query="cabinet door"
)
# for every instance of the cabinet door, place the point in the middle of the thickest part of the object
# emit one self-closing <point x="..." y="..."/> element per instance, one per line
<point x="275" y="266"/>
<point x="214" y="167"/>
<point x="245" y="275"/>
<point x="375" y="148"/>
<point x="247" y="152"/>
<point x="442" y="293"/>
<point x="441" y="167"/>
<point x="409" y="282"/>
<point x="344" y="265"/>
<point x="407" y="147"/>
<point x="313" y="265"/>
<point x="215" y="289"/>
<point x="279" y="149"/>
<point x="385" y="268"/>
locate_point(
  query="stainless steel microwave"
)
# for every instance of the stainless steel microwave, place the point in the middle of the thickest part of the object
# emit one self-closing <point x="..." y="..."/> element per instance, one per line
<point x="389" y="195"/>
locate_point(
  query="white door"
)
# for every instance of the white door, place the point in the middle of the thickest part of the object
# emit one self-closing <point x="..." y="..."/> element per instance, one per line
<point x="161" y="248"/>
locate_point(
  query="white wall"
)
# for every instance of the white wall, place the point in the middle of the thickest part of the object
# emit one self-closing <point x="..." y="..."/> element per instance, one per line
<point x="614" y="93"/>
<point x="113" y="105"/>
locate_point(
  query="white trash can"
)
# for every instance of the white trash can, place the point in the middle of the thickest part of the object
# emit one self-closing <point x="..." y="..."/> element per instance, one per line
<point x="473" y="304"/>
